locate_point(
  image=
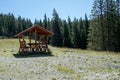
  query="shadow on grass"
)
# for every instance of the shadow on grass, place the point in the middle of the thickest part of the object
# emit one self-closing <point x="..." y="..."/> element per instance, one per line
<point x="35" y="54"/>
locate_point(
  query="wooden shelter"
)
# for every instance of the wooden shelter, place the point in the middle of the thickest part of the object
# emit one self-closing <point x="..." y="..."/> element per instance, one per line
<point x="39" y="44"/>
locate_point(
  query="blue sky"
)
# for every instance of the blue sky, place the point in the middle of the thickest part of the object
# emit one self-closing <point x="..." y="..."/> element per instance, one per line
<point x="37" y="8"/>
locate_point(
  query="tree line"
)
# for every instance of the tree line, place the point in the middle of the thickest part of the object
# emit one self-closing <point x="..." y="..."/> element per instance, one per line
<point x="9" y="25"/>
<point x="67" y="33"/>
<point x="101" y="32"/>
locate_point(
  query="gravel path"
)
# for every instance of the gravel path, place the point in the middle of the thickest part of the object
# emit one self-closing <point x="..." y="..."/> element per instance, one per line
<point x="71" y="66"/>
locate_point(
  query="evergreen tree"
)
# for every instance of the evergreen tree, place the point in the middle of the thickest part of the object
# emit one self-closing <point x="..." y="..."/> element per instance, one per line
<point x="111" y="26"/>
<point x="76" y="34"/>
<point x="70" y="31"/>
<point x="86" y="27"/>
<point x="96" y="36"/>
<point x="11" y="25"/>
<point x="28" y="23"/>
<point x="45" y="22"/>
<point x="80" y="29"/>
<point x="20" y="28"/>
<point x="41" y="23"/>
<point x="49" y="28"/>
<point x="104" y="28"/>
<point x="66" y="37"/>
<point x="57" y="37"/>
<point x="24" y="24"/>
<point x="48" y="24"/>
<point x="118" y="24"/>
<point x="36" y="22"/>
<point x="2" y="24"/>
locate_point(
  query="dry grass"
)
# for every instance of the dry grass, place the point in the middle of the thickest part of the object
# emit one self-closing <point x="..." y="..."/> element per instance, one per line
<point x="60" y="51"/>
<point x="65" y="69"/>
<point x="66" y="62"/>
<point x="8" y="47"/>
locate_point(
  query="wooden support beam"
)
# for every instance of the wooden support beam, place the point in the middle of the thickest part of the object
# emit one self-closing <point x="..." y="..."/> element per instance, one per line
<point x="35" y="35"/>
<point x="30" y="41"/>
<point x="47" y="38"/>
<point x="29" y="37"/>
<point x="41" y="36"/>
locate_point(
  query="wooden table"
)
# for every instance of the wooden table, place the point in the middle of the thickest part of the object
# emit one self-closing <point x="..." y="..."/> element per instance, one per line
<point x="34" y="46"/>
<point x="38" y="47"/>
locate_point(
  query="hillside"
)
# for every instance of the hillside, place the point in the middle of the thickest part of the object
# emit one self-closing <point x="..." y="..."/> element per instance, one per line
<point x="62" y="64"/>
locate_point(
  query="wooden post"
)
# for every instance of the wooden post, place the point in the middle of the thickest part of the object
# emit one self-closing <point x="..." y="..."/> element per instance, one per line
<point x="41" y="38"/>
<point x="47" y="42"/>
<point x="40" y="42"/>
<point x="19" y="44"/>
<point x="30" y="41"/>
<point x="35" y="35"/>
<point x="35" y="39"/>
<point x="47" y="39"/>
<point x="21" y="39"/>
<point x="29" y="37"/>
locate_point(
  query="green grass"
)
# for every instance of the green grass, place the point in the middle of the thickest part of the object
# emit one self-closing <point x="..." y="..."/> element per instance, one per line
<point x="60" y="51"/>
<point x="10" y="46"/>
<point x="2" y="67"/>
<point x="65" y="69"/>
<point x="54" y="79"/>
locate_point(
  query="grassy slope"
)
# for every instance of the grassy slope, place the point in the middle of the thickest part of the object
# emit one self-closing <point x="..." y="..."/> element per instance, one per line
<point x="60" y="51"/>
<point x="8" y="47"/>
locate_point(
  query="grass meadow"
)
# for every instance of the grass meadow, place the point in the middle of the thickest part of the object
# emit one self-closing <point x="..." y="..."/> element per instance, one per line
<point x="10" y="46"/>
<point x="64" y="64"/>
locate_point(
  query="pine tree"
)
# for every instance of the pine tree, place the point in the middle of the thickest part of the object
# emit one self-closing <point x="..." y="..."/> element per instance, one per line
<point x="70" y="31"/>
<point x="28" y="23"/>
<point x="49" y="28"/>
<point x="118" y="24"/>
<point x="40" y="23"/>
<point x="86" y="27"/>
<point x="66" y="37"/>
<point x="20" y="28"/>
<point x="80" y="28"/>
<point x="11" y="25"/>
<point x="111" y="28"/>
<point x="104" y="30"/>
<point x="36" y="22"/>
<point x="57" y="37"/>
<point x="96" y="31"/>
<point x="24" y="24"/>
<point x="83" y="32"/>
<point x="45" y="22"/>
<point x="76" y="34"/>
<point x="48" y="24"/>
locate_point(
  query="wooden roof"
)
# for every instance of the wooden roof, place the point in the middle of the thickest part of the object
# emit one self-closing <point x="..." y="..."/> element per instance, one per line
<point x="36" y="28"/>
